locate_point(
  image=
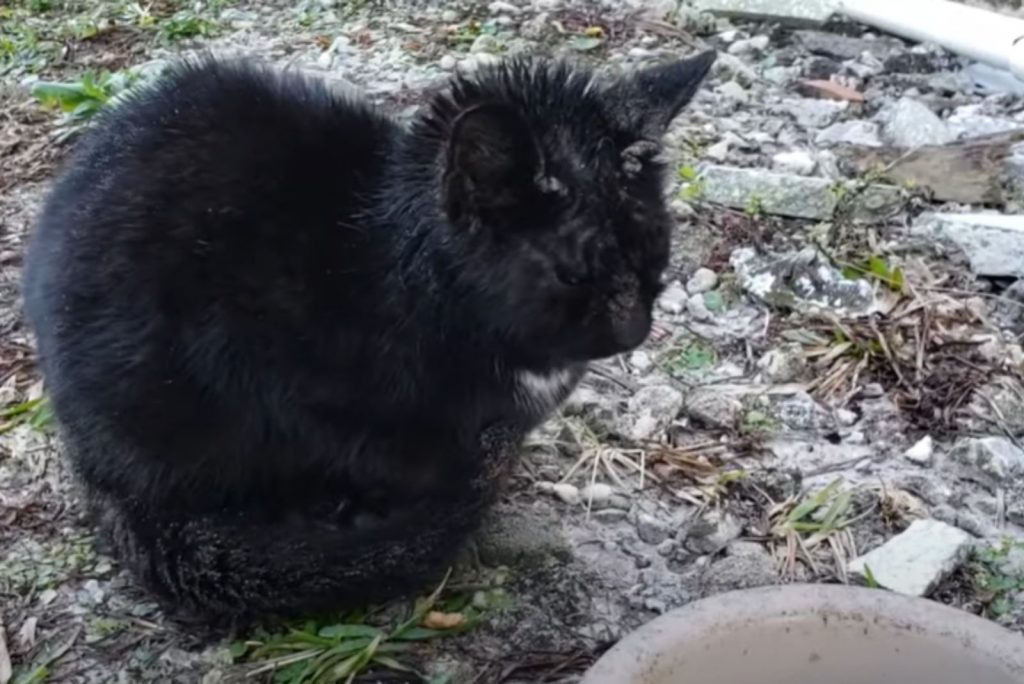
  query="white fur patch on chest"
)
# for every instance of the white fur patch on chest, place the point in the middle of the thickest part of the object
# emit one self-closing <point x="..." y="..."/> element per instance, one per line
<point x="543" y="391"/>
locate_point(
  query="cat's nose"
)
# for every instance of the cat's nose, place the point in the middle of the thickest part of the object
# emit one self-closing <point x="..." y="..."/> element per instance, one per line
<point x="632" y="328"/>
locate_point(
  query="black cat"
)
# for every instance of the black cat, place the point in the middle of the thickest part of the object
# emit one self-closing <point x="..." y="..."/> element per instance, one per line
<point x="293" y="346"/>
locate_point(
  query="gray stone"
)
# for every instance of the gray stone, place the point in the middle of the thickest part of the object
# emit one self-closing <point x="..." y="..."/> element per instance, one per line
<point x="697" y="309"/>
<point x="800" y="12"/>
<point x="797" y="162"/>
<point x="993" y="243"/>
<point x="712" y="531"/>
<point x="702" y="280"/>
<point x="908" y="123"/>
<point x="719" y="151"/>
<point x="781" y="75"/>
<point x="641" y="361"/>
<point x="789" y="195"/>
<point x="500" y="7"/>
<point x="749" y="45"/>
<point x="989" y="459"/>
<point x="734" y="91"/>
<point x="970" y="121"/>
<point x="783" y="364"/>
<point x="811" y="113"/>
<point x="568" y="493"/>
<point x="921" y="452"/>
<point x="650" y="411"/>
<point x="673" y="299"/>
<point x="732" y="67"/>
<point x="803" y="281"/>
<point x="714" y="409"/>
<point x="486" y="43"/>
<point x="746" y="565"/>
<point x="850" y="133"/>
<point x="597" y="494"/>
<point x="651" y="530"/>
<point x="916" y="560"/>
<point x="842" y="47"/>
<point x="990" y="80"/>
<point x="512" y="536"/>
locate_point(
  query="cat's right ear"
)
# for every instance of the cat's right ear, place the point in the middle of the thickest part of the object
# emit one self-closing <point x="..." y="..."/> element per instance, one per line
<point x="492" y="162"/>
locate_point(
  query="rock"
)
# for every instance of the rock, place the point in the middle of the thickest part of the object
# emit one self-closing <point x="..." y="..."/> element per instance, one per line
<point x="797" y="162"/>
<point x="842" y="47"/>
<point x="713" y="409"/>
<point x="568" y="493"/>
<point x="673" y="299"/>
<point x="702" y="280"/>
<point x="916" y="560"/>
<point x="800" y="12"/>
<point x="448" y="62"/>
<point x="641" y="361"/>
<point x="746" y="565"/>
<point x="486" y="43"/>
<point x="993" y="243"/>
<point x="734" y="91"/>
<point x="732" y="67"/>
<point x="803" y="281"/>
<point x="596" y="494"/>
<point x="789" y="195"/>
<point x="517" y="536"/>
<point x="750" y="45"/>
<point x="819" y="69"/>
<point x="969" y="122"/>
<point x="989" y="459"/>
<point x="991" y="80"/>
<point x="536" y="27"/>
<point x="697" y="309"/>
<point x="718" y="152"/>
<point x="650" y="411"/>
<point x="783" y="364"/>
<point x="712" y="531"/>
<point x="908" y="123"/>
<point x="651" y="530"/>
<point x="911" y="62"/>
<point x="499" y="7"/>
<point x="811" y="113"/>
<point x="921" y="452"/>
<point x="781" y="75"/>
<point x="864" y="133"/>
<point x="830" y="90"/>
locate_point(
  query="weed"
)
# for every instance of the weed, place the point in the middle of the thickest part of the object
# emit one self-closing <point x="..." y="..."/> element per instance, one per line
<point x="758" y="423"/>
<point x="877" y="268"/>
<point x="37" y="414"/>
<point x="693" y="186"/>
<point x="318" y="654"/>
<point x="80" y="100"/>
<point x="186" y="24"/>
<point x="994" y="581"/>
<point x="754" y="208"/>
<point x="805" y="524"/>
<point x="694" y="356"/>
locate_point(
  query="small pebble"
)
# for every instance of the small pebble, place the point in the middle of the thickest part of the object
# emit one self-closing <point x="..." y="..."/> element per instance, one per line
<point x="596" y="493"/>
<point x="568" y="493"/>
<point x="702" y="280"/>
<point x="921" y="452"/>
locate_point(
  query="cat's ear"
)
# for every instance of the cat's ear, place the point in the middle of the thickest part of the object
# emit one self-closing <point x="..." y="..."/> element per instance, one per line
<point x="492" y="164"/>
<point x="648" y="100"/>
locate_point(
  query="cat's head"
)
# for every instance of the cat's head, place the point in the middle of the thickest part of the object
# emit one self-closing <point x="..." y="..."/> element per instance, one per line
<point x="553" y="185"/>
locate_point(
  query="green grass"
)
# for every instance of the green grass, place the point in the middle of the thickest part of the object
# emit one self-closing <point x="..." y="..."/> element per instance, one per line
<point x="37" y="413"/>
<point x="691" y="357"/>
<point x="322" y="653"/>
<point x="187" y="24"/>
<point x="994" y="583"/>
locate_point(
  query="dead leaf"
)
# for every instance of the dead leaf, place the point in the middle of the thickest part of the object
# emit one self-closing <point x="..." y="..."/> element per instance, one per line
<point x="435" y="619"/>
<point x="594" y="32"/>
<point x="830" y="90"/>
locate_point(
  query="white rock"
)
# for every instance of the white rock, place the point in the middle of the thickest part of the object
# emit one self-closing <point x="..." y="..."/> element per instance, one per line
<point x="908" y="123"/>
<point x="673" y="299"/>
<point x="499" y="7"/>
<point x="795" y="11"/>
<point x="448" y="62"/>
<point x="702" y="280"/>
<point x="749" y="45"/>
<point x="916" y="560"/>
<point x="811" y="113"/>
<point x="697" y="309"/>
<point x="850" y="133"/>
<point x="596" y="493"/>
<point x="568" y="493"/>
<point x="734" y="91"/>
<point x="650" y="411"/>
<point x="641" y="360"/>
<point x="994" y="243"/>
<point x="714" y="408"/>
<point x="798" y="161"/>
<point x="485" y="43"/>
<point x="718" y="152"/>
<point x="921" y="453"/>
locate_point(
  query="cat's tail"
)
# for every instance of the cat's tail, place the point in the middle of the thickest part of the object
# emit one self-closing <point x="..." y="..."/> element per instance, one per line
<point x="234" y="568"/>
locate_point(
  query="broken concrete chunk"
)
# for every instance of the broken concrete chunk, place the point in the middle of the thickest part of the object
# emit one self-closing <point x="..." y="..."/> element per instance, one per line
<point x="789" y="195"/>
<point x="804" y="281"/>
<point x="994" y="243"/>
<point x="916" y="560"/>
<point x="989" y="459"/>
<point x="799" y="12"/>
<point x="908" y="123"/>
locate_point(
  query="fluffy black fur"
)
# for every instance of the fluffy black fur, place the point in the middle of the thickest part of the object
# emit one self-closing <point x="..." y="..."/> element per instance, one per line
<point x="293" y="346"/>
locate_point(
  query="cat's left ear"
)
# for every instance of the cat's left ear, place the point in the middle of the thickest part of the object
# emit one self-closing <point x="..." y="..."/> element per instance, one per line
<point x="648" y="100"/>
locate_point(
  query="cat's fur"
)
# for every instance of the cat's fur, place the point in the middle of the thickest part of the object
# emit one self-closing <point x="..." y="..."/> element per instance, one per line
<point x="293" y="347"/>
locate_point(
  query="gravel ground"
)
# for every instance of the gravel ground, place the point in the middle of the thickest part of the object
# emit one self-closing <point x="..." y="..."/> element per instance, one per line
<point x="823" y="373"/>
